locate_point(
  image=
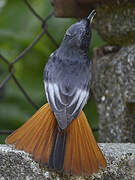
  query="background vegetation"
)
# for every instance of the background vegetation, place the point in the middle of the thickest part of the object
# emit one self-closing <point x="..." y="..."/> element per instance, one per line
<point x="18" y="28"/>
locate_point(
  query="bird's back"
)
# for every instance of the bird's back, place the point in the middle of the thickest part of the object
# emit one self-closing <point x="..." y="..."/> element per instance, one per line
<point x="67" y="83"/>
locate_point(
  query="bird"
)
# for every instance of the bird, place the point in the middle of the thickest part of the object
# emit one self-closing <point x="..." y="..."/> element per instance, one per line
<point x="58" y="135"/>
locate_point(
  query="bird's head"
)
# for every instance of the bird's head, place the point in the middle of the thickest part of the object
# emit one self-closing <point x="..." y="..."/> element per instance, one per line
<point x="79" y="34"/>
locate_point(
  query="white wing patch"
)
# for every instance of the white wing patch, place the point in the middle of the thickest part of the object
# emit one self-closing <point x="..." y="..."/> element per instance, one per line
<point x="49" y="89"/>
<point x="52" y="54"/>
<point x="51" y="93"/>
<point x="52" y="89"/>
<point x="76" y="97"/>
<point x="82" y="99"/>
<point x="46" y="92"/>
<point x="57" y="92"/>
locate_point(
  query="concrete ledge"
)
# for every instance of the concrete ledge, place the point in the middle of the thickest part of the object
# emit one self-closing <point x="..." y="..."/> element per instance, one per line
<point x="18" y="165"/>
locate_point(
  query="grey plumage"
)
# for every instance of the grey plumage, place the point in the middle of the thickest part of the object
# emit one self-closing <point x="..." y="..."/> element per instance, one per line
<point x="67" y="74"/>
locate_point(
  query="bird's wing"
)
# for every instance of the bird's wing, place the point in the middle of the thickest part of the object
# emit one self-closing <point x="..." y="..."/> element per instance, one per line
<point x="67" y="88"/>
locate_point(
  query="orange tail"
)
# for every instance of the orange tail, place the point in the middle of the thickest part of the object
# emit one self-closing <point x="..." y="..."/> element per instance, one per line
<point x="73" y="150"/>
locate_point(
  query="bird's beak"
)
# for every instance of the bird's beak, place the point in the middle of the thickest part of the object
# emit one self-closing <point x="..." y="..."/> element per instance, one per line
<point x="91" y="16"/>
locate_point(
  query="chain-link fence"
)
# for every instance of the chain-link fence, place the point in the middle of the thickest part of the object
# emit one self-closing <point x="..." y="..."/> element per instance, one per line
<point x="10" y="65"/>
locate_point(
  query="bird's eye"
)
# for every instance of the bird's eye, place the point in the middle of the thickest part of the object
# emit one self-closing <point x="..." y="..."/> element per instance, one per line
<point x="69" y="36"/>
<point x="87" y="33"/>
<point x="70" y="33"/>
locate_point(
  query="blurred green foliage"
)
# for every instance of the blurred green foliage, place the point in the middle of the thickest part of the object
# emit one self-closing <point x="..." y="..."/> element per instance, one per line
<point x="18" y="28"/>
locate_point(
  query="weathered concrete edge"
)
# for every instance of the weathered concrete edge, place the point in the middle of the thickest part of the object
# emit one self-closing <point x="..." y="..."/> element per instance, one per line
<point x="16" y="164"/>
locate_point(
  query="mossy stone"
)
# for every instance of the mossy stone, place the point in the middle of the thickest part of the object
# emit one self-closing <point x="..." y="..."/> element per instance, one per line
<point x="115" y="22"/>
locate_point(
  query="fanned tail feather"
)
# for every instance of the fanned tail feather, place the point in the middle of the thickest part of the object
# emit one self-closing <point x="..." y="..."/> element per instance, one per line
<point x="73" y="151"/>
<point x="36" y="135"/>
<point x="82" y="155"/>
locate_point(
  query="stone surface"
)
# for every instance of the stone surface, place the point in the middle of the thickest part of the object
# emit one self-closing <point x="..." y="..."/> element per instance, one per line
<point x="78" y="8"/>
<point x="18" y="165"/>
<point x="114" y="90"/>
<point x="115" y="22"/>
